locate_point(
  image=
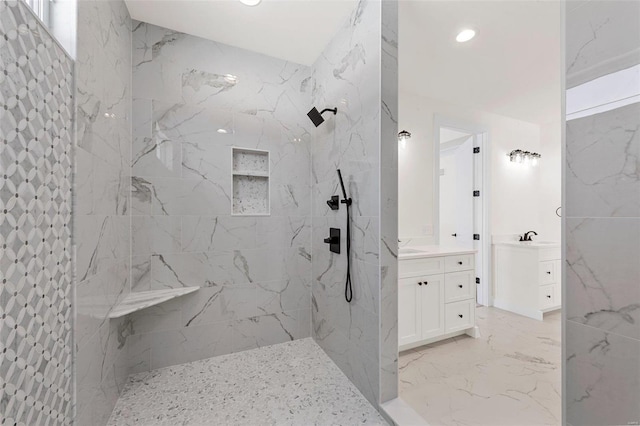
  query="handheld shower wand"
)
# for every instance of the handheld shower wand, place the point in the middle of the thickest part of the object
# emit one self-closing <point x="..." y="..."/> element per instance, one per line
<point x="348" y="289"/>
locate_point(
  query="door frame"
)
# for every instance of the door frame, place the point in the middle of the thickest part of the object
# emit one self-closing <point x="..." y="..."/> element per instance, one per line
<point x="481" y="140"/>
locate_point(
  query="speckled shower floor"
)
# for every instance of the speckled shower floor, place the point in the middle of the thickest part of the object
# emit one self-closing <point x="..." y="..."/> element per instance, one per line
<point x="293" y="383"/>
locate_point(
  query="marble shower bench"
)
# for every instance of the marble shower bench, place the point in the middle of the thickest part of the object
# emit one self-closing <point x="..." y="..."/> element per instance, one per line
<point x="137" y="301"/>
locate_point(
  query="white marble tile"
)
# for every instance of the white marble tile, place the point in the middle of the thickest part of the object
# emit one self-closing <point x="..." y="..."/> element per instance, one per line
<point x="140" y="273"/>
<point x="602" y="37"/>
<point x="103" y="127"/>
<point x="165" y="316"/>
<point x="102" y="228"/>
<point x="264" y="330"/>
<point x="291" y="383"/>
<point x="218" y="304"/>
<point x="183" y="98"/>
<point x="203" y="269"/>
<point x="510" y="375"/>
<point x="139" y="353"/>
<point x="290" y="199"/>
<point x="96" y="296"/>
<point x="156" y="150"/>
<point x="106" y="70"/>
<point x="102" y="241"/>
<point x="101" y="188"/>
<point x="98" y="364"/>
<point x="141" y="196"/>
<point x="602" y="177"/>
<point x="365" y="244"/>
<point x="156" y="234"/>
<point x="282" y="296"/>
<point x="283" y="232"/>
<point x="603" y="377"/>
<point x="603" y="274"/>
<point x="171" y="347"/>
<point x="207" y="233"/>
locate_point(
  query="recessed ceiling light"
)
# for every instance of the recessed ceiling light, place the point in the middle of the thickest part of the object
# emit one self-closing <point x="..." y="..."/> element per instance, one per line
<point x="223" y="131"/>
<point x="465" y="35"/>
<point x="250" y="2"/>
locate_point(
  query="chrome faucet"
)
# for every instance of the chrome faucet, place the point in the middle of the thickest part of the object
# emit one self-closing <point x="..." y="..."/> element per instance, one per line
<point x="527" y="237"/>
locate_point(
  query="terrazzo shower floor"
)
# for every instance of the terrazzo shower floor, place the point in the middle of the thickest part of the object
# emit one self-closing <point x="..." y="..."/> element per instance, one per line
<point x="293" y="383"/>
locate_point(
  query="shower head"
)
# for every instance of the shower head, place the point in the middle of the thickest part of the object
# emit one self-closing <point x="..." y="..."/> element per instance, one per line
<point x="316" y="117"/>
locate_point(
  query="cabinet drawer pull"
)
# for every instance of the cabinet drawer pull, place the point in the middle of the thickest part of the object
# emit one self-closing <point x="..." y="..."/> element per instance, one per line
<point x="459" y="285"/>
<point x="549" y="272"/>
<point x="459" y="263"/>
<point x="460" y="315"/>
<point x="548" y="296"/>
<point x="420" y="283"/>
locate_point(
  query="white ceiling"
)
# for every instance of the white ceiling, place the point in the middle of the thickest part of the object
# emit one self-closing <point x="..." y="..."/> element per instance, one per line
<point x="293" y="30"/>
<point x="447" y="134"/>
<point x="512" y="66"/>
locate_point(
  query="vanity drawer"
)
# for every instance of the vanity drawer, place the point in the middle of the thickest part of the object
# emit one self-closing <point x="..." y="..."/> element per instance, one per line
<point x="548" y="272"/>
<point x="547" y="296"/>
<point x="417" y="267"/>
<point x="459" y="286"/>
<point x="461" y="262"/>
<point x="459" y="316"/>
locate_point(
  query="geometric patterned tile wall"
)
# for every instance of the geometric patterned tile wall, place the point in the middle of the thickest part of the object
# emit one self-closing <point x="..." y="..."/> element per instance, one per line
<point x="36" y="128"/>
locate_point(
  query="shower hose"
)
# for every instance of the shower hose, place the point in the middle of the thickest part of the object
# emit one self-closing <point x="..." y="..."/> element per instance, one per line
<point x="348" y="290"/>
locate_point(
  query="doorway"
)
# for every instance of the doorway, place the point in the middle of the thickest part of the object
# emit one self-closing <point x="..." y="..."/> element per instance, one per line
<point x="461" y="193"/>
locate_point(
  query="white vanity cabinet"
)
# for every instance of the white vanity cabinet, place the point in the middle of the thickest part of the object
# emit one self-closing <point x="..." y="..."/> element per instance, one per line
<point x="436" y="297"/>
<point x="527" y="278"/>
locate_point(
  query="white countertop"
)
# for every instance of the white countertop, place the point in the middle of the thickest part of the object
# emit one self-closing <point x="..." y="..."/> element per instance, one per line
<point x="418" y="252"/>
<point x="529" y="244"/>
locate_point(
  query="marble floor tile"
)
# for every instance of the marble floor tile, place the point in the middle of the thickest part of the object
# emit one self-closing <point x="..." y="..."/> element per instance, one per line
<point x="511" y="375"/>
<point x="293" y="383"/>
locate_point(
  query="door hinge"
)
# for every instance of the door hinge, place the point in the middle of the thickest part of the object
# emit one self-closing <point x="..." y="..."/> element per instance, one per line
<point x="477" y="280"/>
<point x="476" y="236"/>
<point x="476" y="193"/>
<point x="476" y="149"/>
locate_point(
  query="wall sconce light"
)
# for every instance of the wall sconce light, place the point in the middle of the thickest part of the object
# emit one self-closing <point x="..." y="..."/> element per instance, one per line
<point x="524" y="157"/>
<point x="403" y="137"/>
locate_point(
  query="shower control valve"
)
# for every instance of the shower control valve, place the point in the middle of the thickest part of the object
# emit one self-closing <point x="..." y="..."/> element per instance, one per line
<point x="333" y="240"/>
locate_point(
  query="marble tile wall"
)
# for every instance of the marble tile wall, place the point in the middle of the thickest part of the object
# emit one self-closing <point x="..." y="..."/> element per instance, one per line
<point x="101" y="204"/>
<point x="389" y="204"/>
<point x="193" y="101"/>
<point x="349" y="75"/>
<point x="36" y="151"/>
<point x="602" y="224"/>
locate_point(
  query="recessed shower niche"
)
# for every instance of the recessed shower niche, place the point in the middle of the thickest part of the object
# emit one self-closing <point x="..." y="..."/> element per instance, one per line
<point x="251" y="194"/>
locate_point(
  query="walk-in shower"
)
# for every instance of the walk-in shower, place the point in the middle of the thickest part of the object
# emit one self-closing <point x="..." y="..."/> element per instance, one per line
<point x="197" y="206"/>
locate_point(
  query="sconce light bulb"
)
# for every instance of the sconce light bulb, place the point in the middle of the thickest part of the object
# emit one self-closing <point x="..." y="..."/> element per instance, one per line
<point x="535" y="160"/>
<point x="403" y="137"/>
